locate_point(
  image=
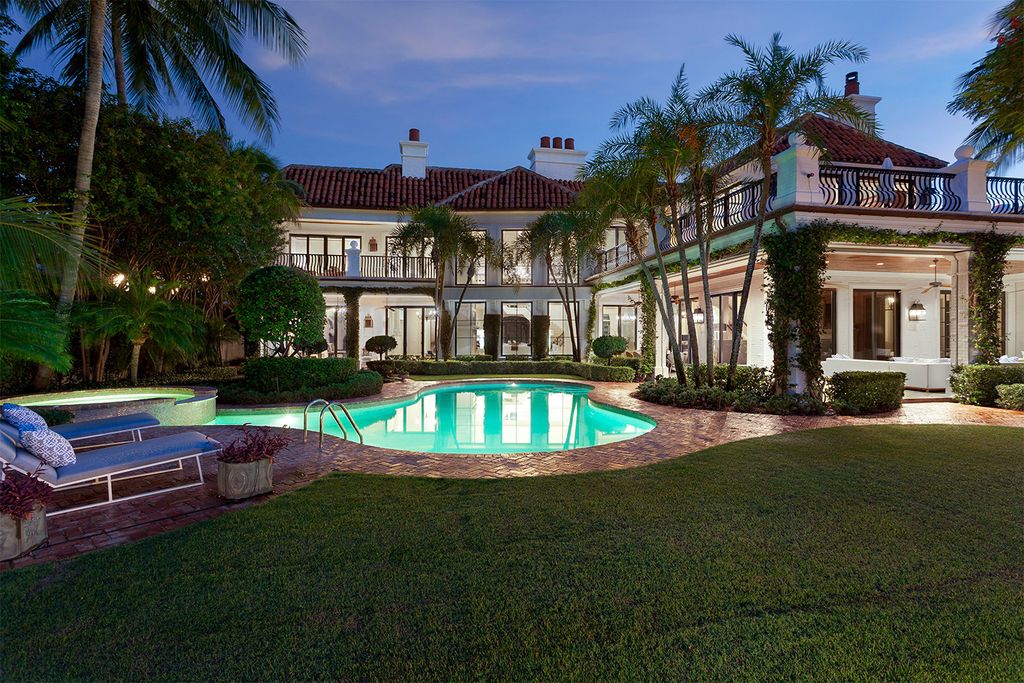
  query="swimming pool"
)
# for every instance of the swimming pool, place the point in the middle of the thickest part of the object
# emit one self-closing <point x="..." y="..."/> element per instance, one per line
<point x="493" y="417"/>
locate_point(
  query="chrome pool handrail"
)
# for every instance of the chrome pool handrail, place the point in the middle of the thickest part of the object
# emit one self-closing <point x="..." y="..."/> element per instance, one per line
<point x="325" y="409"/>
<point x="344" y="409"/>
<point x="305" y="416"/>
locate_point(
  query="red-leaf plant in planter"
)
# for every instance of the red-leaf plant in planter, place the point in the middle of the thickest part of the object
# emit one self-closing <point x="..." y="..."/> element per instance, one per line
<point x="23" y="501"/>
<point x="245" y="466"/>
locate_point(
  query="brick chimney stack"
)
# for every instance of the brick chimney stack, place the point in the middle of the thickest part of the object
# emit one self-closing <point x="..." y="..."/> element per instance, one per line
<point x="557" y="158"/>
<point x="866" y="103"/>
<point x="414" y="155"/>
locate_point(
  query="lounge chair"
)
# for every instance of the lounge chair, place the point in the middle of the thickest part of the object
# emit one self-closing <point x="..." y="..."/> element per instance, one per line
<point x="94" y="429"/>
<point x="115" y="463"/>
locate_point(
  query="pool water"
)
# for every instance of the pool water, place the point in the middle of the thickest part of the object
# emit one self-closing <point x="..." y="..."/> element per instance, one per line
<point x="474" y="418"/>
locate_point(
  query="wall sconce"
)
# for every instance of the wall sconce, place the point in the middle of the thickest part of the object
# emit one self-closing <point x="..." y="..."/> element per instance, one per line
<point x="916" y="312"/>
<point x="698" y="316"/>
<point x="368" y="321"/>
<point x="373" y="244"/>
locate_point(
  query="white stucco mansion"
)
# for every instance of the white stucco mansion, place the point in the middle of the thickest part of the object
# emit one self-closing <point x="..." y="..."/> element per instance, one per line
<point x="880" y="303"/>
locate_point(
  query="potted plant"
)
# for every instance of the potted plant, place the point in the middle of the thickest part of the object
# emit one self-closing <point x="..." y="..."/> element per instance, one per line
<point x="245" y="466"/>
<point x="22" y="513"/>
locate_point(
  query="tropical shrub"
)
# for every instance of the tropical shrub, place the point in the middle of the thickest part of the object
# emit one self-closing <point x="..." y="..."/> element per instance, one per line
<point x="976" y="384"/>
<point x="287" y="374"/>
<point x="381" y="344"/>
<point x="282" y="306"/>
<point x="668" y="392"/>
<point x="21" y="493"/>
<point x="860" y="392"/>
<point x="1011" y="396"/>
<point x="608" y="346"/>
<point x="55" y="416"/>
<point x="363" y="383"/>
<point x="599" y="373"/>
<point x="256" y="443"/>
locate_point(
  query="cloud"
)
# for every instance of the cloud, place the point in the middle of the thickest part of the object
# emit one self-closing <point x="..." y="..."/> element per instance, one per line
<point x="936" y="45"/>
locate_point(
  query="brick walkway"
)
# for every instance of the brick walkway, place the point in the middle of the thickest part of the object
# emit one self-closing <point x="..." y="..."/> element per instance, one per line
<point x="677" y="433"/>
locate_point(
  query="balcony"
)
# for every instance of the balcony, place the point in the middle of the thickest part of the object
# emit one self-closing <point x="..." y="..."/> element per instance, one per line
<point x="370" y="267"/>
<point x="843" y="186"/>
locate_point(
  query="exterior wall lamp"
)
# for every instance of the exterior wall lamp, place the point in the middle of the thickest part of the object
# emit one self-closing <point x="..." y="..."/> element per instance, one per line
<point x="368" y="321"/>
<point x="698" y="316"/>
<point x="916" y="312"/>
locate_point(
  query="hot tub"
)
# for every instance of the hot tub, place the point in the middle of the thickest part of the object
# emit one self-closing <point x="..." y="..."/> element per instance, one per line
<point x="171" y="405"/>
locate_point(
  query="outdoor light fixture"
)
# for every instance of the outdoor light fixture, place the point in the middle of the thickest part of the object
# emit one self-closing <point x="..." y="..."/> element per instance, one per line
<point x="916" y="312"/>
<point x="698" y="316"/>
<point x="368" y="321"/>
<point x="373" y="244"/>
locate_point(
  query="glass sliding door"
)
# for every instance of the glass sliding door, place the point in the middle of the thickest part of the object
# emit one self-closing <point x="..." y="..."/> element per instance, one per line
<point x="559" y="339"/>
<point x="876" y="324"/>
<point x="414" y="329"/>
<point x="621" y="321"/>
<point x="828" y="323"/>
<point x="469" y="330"/>
<point x="515" y="328"/>
<point x="945" y="300"/>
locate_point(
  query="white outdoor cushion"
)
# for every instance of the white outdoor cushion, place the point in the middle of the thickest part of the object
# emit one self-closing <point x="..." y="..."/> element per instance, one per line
<point x="48" y="446"/>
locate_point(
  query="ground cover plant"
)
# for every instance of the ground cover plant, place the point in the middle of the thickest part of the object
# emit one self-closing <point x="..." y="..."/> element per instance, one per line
<point x="882" y="552"/>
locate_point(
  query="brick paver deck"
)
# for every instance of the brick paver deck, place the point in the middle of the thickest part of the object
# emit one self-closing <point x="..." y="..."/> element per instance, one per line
<point x="677" y="433"/>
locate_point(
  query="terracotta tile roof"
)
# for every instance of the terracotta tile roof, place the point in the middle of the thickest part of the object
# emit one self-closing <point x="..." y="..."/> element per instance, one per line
<point x="465" y="189"/>
<point x="845" y="144"/>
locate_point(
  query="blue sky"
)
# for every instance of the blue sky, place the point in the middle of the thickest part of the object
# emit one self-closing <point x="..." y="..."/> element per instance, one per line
<point x="483" y="81"/>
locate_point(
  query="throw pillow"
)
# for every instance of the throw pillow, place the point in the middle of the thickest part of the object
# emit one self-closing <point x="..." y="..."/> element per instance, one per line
<point x="48" y="446"/>
<point x="21" y="417"/>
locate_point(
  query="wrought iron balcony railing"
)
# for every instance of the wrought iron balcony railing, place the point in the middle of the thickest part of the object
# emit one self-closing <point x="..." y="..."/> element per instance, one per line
<point x="370" y="267"/>
<point x="888" y="189"/>
<point x="1006" y="195"/>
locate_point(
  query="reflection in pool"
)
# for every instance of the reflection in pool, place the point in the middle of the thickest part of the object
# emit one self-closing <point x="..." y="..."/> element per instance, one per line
<point x="477" y="418"/>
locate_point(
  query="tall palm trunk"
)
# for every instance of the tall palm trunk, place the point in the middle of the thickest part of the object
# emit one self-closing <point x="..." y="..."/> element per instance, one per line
<point x="438" y="305"/>
<point x="664" y="302"/>
<point x="755" y="246"/>
<point x="83" y="168"/>
<point x="684" y="268"/>
<point x="705" y="225"/>
<point x="133" y="367"/>
<point x="117" y="43"/>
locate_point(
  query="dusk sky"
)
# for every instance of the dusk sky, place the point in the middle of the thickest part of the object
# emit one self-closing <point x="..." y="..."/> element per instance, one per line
<point x="483" y="81"/>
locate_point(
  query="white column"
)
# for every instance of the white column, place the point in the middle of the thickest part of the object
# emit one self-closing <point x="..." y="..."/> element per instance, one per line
<point x="961" y="350"/>
<point x="797" y="174"/>
<point x="970" y="180"/>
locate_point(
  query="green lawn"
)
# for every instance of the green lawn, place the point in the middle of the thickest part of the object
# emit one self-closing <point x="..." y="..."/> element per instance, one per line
<point x="888" y="552"/>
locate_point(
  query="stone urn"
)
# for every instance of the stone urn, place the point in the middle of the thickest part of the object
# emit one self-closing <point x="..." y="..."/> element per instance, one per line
<point x="19" y="536"/>
<point x="238" y="480"/>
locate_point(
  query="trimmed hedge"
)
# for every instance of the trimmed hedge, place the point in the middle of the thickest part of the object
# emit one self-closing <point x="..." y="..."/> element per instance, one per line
<point x="751" y="378"/>
<point x="634" y="362"/>
<point x="976" y="384"/>
<point x="290" y="374"/>
<point x="363" y="383"/>
<point x="668" y="392"/>
<point x="857" y="392"/>
<point x="598" y="373"/>
<point x="1011" y="396"/>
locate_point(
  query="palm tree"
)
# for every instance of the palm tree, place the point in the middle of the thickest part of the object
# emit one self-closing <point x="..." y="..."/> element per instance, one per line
<point x="454" y="244"/>
<point x="991" y="94"/>
<point x="34" y="242"/>
<point x="566" y="240"/>
<point x="170" y="45"/>
<point x="777" y="88"/>
<point x="140" y="308"/>
<point x="622" y="187"/>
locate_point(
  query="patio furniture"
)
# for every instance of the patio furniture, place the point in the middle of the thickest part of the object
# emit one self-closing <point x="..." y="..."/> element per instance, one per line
<point x="115" y="463"/>
<point x="95" y="429"/>
<point x="922" y="374"/>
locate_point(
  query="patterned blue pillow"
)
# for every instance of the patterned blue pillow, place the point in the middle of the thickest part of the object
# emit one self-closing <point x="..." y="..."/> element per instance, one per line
<point x="48" y="446"/>
<point x="21" y="417"/>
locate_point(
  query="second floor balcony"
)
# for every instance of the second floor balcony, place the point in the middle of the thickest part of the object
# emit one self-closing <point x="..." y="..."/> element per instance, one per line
<point x="366" y="267"/>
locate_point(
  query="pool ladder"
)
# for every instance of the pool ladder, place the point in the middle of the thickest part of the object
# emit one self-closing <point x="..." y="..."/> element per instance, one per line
<point x="328" y="408"/>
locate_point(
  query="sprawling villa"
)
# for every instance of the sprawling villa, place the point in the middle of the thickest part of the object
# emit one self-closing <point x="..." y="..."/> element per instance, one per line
<point x="883" y="306"/>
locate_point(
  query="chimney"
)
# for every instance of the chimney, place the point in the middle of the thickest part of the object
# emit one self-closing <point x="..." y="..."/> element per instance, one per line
<point x="414" y="155"/>
<point x="557" y="158"/>
<point x="866" y="103"/>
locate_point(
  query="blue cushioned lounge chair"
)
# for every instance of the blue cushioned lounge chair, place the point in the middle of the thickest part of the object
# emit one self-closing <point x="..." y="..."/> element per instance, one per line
<point x="95" y="429"/>
<point x="115" y="463"/>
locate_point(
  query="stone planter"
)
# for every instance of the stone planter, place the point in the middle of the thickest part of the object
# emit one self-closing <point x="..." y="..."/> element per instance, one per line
<point x="18" y="536"/>
<point x="238" y="480"/>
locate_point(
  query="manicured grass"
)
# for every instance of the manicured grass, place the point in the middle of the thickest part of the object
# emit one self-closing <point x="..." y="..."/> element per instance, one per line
<point x="442" y="378"/>
<point x="884" y="552"/>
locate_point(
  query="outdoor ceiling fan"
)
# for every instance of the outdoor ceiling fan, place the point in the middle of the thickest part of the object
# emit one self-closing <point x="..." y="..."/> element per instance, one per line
<point x="935" y="277"/>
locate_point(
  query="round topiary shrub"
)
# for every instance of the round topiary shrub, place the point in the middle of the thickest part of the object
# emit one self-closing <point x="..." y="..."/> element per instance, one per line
<point x="381" y="344"/>
<point x="282" y="306"/>
<point x="608" y="346"/>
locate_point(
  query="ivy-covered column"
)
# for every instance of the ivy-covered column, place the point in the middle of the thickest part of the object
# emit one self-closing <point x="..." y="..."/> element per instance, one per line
<point x="648" y="329"/>
<point x="352" y="345"/>
<point x="986" y="269"/>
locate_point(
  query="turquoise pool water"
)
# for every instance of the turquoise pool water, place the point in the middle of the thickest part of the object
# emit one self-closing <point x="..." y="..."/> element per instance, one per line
<point x="506" y="417"/>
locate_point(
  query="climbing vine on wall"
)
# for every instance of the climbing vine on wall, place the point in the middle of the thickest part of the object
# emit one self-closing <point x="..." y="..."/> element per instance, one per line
<point x="648" y="329"/>
<point x="986" y="277"/>
<point x="795" y="268"/>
